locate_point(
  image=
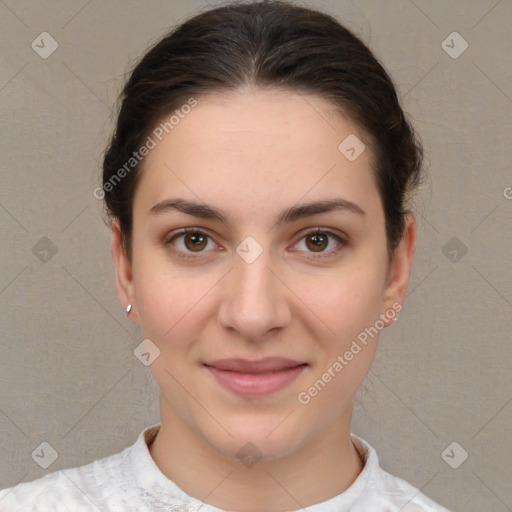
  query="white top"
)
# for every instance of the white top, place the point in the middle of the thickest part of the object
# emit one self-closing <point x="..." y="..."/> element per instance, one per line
<point x="131" y="481"/>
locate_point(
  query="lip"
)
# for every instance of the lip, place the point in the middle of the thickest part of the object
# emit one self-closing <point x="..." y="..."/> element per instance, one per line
<point x="255" y="378"/>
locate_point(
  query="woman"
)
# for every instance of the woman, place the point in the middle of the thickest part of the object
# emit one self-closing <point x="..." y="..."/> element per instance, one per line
<point x="258" y="183"/>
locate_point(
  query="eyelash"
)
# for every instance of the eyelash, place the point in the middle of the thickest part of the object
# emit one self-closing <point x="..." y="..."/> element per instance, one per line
<point x="317" y="231"/>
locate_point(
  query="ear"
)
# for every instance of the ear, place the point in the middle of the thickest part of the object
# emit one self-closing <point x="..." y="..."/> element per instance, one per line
<point x="399" y="269"/>
<point x="123" y="267"/>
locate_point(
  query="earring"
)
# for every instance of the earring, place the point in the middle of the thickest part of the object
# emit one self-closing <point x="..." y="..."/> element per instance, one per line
<point x="128" y="309"/>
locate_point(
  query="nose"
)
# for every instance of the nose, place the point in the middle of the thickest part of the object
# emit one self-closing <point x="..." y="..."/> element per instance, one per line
<point x="255" y="299"/>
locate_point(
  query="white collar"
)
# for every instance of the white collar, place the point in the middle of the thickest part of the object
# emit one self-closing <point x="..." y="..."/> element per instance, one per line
<point x="150" y="478"/>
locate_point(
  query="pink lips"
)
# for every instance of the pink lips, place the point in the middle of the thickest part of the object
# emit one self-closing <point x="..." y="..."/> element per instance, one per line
<point x="255" y="378"/>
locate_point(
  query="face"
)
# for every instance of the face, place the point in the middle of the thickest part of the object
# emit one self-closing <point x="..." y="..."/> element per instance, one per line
<point x="262" y="273"/>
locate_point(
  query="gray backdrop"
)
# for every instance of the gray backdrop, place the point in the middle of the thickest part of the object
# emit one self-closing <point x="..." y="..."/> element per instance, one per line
<point x="442" y="374"/>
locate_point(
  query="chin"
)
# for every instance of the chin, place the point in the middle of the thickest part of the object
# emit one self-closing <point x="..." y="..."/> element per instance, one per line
<point x="240" y="448"/>
<point x="259" y="439"/>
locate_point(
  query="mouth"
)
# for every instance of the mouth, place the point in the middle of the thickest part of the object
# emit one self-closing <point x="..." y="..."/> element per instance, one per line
<point x="255" y="378"/>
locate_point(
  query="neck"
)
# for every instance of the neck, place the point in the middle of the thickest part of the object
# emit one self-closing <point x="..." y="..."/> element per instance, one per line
<point x="315" y="472"/>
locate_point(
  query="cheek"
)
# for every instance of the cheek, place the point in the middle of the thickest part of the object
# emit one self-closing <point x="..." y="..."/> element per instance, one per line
<point x="171" y="311"/>
<point x="350" y="307"/>
<point x="166" y="295"/>
<point x="350" y="300"/>
<point x="169" y="304"/>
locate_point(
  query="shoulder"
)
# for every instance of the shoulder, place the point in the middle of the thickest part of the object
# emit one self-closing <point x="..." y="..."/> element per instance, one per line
<point x="400" y="495"/>
<point x="387" y="492"/>
<point x="79" y="488"/>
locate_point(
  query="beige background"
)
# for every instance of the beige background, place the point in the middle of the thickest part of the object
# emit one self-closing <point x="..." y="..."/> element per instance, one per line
<point x="68" y="375"/>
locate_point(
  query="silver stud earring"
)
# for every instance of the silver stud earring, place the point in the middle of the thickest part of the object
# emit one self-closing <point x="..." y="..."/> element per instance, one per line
<point x="128" y="309"/>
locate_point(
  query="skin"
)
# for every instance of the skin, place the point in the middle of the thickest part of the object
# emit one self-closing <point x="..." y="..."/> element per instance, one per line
<point x="254" y="153"/>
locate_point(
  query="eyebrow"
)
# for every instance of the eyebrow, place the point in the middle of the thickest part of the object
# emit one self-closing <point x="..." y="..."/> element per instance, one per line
<point x="289" y="215"/>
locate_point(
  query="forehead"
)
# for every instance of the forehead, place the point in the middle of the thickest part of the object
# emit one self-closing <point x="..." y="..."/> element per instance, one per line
<point x="257" y="150"/>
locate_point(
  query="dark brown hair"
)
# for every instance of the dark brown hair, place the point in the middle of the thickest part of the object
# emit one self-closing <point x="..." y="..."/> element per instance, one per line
<point x="268" y="44"/>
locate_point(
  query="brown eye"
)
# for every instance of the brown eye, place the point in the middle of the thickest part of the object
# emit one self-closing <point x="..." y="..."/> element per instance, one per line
<point x="319" y="241"/>
<point x="190" y="241"/>
<point x="195" y="241"/>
